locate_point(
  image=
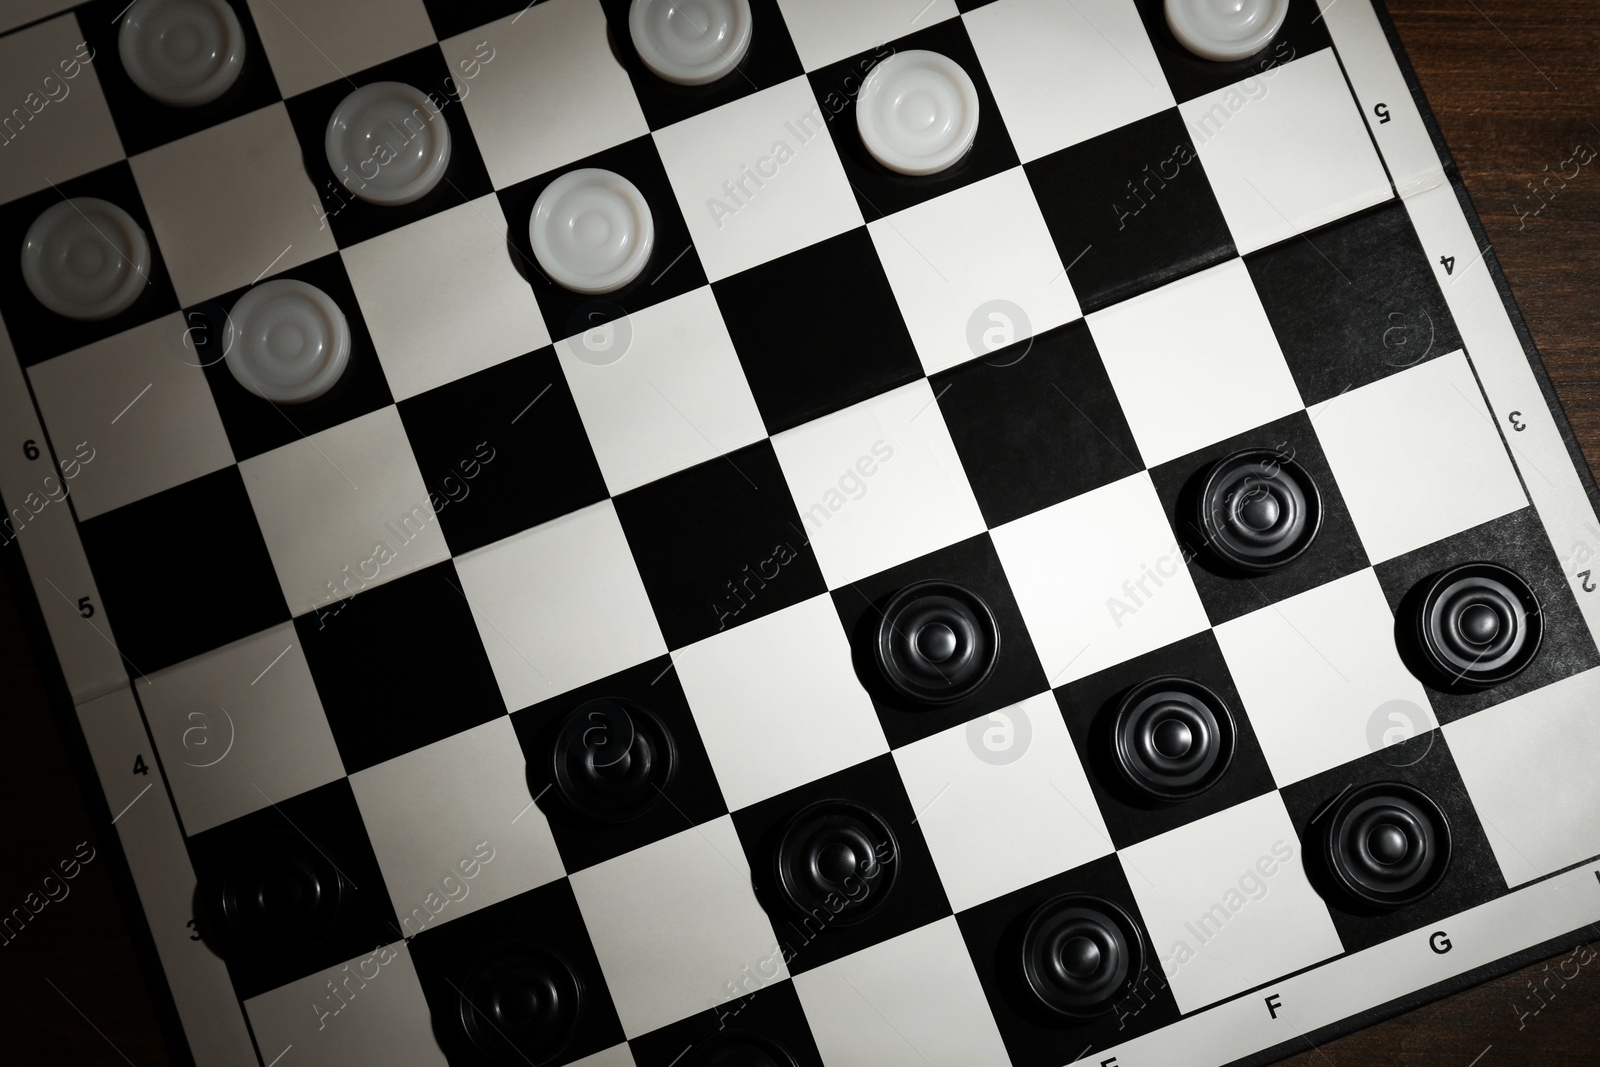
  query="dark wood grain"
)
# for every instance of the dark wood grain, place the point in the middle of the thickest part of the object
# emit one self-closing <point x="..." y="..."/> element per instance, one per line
<point x="1514" y="86"/>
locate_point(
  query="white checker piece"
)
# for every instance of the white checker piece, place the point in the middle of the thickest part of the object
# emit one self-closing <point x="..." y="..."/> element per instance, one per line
<point x="1227" y="902"/>
<point x="675" y="925"/>
<point x="41" y="69"/>
<point x="1286" y="151"/>
<point x="312" y="42"/>
<point x="1316" y="670"/>
<point x="442" y="298"/>
<point x="1095" y="53"/>
<point x="948" y="258"/>
<point x="1194" y="362"/>
<point x="358" y="486"/>
<point x="453" y="826"/>
<point x="777" y="702"/>
<point x="239" y="728"/>
<point x="140" y="399"/>
<point x="825" y="31"/>
<point x="970" y="807"/>
<point x="1436" y="467"/>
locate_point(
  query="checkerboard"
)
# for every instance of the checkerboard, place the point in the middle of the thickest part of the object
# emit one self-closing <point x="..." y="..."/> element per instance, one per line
<point x="359" y="619"/>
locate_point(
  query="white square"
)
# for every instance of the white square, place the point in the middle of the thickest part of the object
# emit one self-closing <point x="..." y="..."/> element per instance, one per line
<point x="1417" y="457"/>
<point x="1219" y="922"/>
<point x="373" y="1012"/>
<point x="912" y="1001"/>
<point x="311" y="42"/>
<point x="1317" y="671"/>
<point x="676" y="397"/>
<point x="442" y="298"/>
<point x="47" y="140"/>
<point x="778" y="703"/>
<point x="239" y="728"/>
<point x="143" y="403"/>
<point x="825" y="31"/>
<point x="1194" y="362"/>
<point x="560" y="605"/>
<point x="1063" y="73"/>
<point x="916" y="499"/>
<point x="454" y="827"/>
<point x="758" y="178"/>
<point x="675" y="924"/>
<point x="343" y="510"/>
<point x="1286" y="151"/>
<point x="1100" y="579"/>
<point x="232" y="204"/>
<point x="951" y="257"/>
<point x="1003" y="801"/>
<point x="551" y="91"/>
<point x="1528" y="765"/>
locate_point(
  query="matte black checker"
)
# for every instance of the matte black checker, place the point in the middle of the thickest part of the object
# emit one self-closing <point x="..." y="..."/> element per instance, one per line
<point x="771" y="1013"/>
<point x="1303" y="33"/>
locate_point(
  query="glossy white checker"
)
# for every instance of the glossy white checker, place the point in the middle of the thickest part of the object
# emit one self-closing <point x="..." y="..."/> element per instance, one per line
<point x="141" y="402"/>
<point x="246" y="179"/>
<point x="1286" y="151"/>
<point x="552" y="94"/>
<point x="675" y="924"/>
<point x="662" y="391"/>
<point x="1095" y="592"/>
<point x="912" y="1001"/>
<point x="1227" y="903"/>
<point x="56" y="124"/>
<point x="1194" y="362"/>
<point x="239" y="728"/>
<point x="1038" y="54"/>
<point x="758" y="178"/>
<point x="358" y="486"/>
<point x="560" y="605"/>
<point x="825" y="31"/>
<point x="310" y="42"/>
<point x="442" y="298"/>
<point x="970" y="785"/>
<point x="1314" y="672"/>
<point x="915" y="499"/>
<point x="949" y="259"/>
<point x="1528" y="766"/>
<point x="777" y="702"/>
<point x="454" y="827"/>
<point x="377" y="1015"/>
<point x="1438" y="467"/>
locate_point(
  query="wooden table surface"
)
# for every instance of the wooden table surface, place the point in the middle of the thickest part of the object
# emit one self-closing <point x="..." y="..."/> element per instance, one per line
<point x="1514" y="86"/>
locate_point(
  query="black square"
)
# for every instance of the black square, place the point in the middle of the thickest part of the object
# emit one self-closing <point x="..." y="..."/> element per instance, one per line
<point x="879" y="190"/>
<point x="1130" y="210"/>
<point x="841" y="338"/>
<point x="1089" y="706"/>
<point x="1353" y="303"/>
<point x="465" y="178"/>
<point x="399" y="666"/>
<point x="1189" y="75"/>
<point x="1037" y="423"/>
<point x="154" y="559"/>
<point x="1425" y="762"/>
<point x="144" y="123"/>
<point x="719" y="544"/>
<point x="255" y="425"/>
<point x="973" y="564"/>
<point x="1035" y="1036"/>
<point x="502" y="450"/>
<point x="547" y="917"/>
<point x="39" y="333"/>
<point x="674" y="267"/>
<point x="690" y="796"/>
<point x="329" y="819"/>
<point x="451" y="17"/>
<point x="772" y="1013"/>
<point x="1227" y="594"/>
<point x="1518" y="541"/>
<point x="916" y="896"/>
<point x="770" y="61"/>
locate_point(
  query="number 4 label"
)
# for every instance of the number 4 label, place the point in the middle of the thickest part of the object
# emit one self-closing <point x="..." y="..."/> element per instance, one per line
<point x="1448" y="263"/>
